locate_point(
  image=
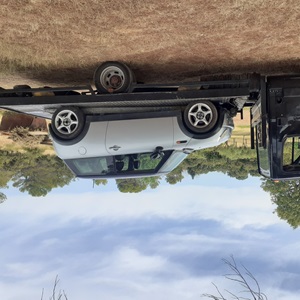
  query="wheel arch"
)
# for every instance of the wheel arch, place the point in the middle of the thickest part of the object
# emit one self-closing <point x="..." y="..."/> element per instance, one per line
<point x="62" y="137"/>
<point x="73" y="141"/>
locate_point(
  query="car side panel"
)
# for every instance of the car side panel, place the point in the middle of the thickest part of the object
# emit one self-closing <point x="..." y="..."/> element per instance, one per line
<point x="139" y="135"/>
<point x="180" y="138"/>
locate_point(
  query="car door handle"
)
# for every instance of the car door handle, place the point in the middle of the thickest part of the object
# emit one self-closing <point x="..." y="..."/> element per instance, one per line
<point x="115" y="148"/>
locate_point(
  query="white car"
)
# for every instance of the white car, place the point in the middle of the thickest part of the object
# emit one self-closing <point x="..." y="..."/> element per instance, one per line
<point x="149" y="143"/>
<point x="136" y="144"/>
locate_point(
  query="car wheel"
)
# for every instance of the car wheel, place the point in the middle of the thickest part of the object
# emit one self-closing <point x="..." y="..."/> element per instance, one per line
<point x="200" y="117"/>
<point x="113" y="77"/>
<point x="67" y="122"/>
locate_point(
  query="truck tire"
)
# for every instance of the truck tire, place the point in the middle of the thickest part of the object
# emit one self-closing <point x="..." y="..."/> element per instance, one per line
<point x="113" y="77"/>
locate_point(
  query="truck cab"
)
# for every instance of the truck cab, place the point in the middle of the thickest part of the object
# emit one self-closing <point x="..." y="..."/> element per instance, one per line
<point x="275" y="127"/>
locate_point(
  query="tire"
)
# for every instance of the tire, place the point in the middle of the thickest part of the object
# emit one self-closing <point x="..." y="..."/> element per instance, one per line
<point x="23" y="87"/>
<point x="67" y="122"/>
<point x="200" y="117"/>
<point x="113" y="77"/>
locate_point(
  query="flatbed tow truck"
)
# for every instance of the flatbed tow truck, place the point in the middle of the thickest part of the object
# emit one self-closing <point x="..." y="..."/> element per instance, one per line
<point x="274" y="101"/>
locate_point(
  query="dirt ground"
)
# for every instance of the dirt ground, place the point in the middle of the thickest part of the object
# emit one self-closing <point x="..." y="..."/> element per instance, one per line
<point x="7" y="142"/>
<point x="55" y="42"/>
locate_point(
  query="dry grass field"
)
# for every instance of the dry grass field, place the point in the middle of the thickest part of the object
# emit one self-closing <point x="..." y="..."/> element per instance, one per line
<point x="54" y="42"/>
<point x="62" y="41"/>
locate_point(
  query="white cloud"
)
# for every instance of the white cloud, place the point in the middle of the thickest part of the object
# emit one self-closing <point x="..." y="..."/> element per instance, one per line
<point x="21" y="270"/>
<point x="132" y="260"/>
<point x="61" y="234"/>
<point x="235" y="208"/>
<point x="287" y="253"/>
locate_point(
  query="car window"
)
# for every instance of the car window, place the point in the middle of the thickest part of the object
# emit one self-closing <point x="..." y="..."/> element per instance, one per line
<point x="118" y="165"/>
<point x="94" y="165"/>
<point x="137" y="162"/>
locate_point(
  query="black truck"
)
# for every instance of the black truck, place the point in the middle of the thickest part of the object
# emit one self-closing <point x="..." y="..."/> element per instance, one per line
<point x="275" y="127"/>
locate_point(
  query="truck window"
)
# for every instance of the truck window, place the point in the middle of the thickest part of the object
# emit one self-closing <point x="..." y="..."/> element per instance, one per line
<point x="291" y="154"/>
<point x="262" y="151"/>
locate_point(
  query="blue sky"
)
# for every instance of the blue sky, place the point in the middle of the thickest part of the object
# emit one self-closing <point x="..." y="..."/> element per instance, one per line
<point x="158" y="244"/>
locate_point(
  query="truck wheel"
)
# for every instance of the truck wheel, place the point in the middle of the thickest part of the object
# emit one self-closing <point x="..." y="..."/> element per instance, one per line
<point x="200" y="117"/>
<point x="113" y="77"/>
<point x="67" y="122"/>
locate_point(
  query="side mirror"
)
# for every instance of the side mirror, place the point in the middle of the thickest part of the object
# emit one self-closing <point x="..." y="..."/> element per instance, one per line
<point x="157" y="153"/>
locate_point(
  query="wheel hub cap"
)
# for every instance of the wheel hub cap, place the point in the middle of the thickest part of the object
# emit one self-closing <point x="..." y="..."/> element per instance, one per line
<point x="200" y="115"/>
<point x="115" y="81"/>
<point x="66" y="122"/>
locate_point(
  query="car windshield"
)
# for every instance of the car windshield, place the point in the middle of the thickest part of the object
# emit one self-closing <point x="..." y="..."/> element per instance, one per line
<point x="118" y="165"/>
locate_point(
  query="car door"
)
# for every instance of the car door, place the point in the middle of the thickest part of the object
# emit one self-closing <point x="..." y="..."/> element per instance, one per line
<point x="139" y="135"/>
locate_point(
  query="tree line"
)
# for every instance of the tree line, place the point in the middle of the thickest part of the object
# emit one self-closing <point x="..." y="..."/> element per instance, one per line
<point x="37" y="174"/>
<point x="32" y="172"/>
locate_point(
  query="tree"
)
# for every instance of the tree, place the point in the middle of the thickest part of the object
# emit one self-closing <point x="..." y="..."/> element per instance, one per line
<point x="286" y="195"/>
<point x="2" y="197"/>
<point x="33" y="172"/>
<point x="244" y="279"/>
<point x="174" y="176"/>
<point x="136" y="185"/>
<point x="131" y="185"/>
<point x="100" y="182"/>
<point x="42" y="175"/>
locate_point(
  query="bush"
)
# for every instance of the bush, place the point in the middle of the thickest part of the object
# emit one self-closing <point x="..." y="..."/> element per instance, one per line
<point x="22" y="136"/>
